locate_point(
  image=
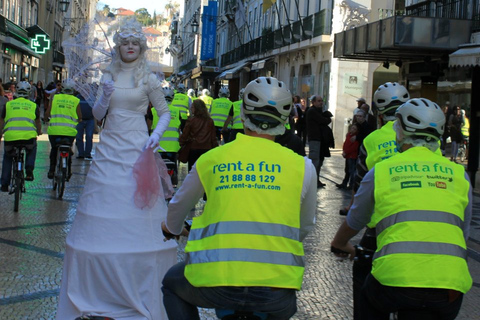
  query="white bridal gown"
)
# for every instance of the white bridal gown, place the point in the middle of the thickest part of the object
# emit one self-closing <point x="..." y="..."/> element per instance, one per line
<point x="115" y="255"/>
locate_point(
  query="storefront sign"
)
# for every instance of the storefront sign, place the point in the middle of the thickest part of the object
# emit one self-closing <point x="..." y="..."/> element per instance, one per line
<point x="40" y="44"/>
<point x="209" y="31"/>
<point x="353" y="84"/>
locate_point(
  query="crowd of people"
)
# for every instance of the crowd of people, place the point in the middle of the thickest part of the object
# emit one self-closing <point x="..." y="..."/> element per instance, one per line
<point x="247" y="160"/>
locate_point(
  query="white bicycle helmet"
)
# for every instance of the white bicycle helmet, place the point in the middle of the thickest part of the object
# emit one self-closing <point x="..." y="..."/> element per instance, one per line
<point x="224" y="92"/>
<point x="169" y="94"/>
<point x="421" y="117"/>
<point x="23" y="89"/>
<point x="181" y="88"/>
<point x="68" y="86"/>
<point x="206" y="92"/>
<point x="191" y="93"/>
<point x="267" y="102"/>
<point x="388" y="97"/>
<point x="240" y="94"/>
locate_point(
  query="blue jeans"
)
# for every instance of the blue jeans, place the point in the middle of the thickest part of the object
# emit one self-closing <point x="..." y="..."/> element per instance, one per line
<point x="30" y="155"/>
<point x="181" y="299"/>
<point x="86" y="126"/>
<point x="410" y="303"/>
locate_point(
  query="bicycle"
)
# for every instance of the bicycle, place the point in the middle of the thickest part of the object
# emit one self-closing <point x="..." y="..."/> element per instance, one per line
<point x="17" y="185"/>
<point x="62" y="168"/>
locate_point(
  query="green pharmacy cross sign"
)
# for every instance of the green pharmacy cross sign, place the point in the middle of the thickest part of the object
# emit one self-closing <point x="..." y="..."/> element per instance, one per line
<point x="40" y="44"/>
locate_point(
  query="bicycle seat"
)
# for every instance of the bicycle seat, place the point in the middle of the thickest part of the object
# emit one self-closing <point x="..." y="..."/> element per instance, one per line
<point x="227" y="314"/>
<point x="64" y="141"/>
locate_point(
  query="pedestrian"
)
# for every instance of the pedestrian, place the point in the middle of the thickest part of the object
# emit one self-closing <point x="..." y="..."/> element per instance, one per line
<point x="447" y="111"/>
<point x="369" y="117"/>
<point x="315" y="119"/>
<point x="3" y="99"/>
<point x="350" y="153"/>
<point x="33" y="91"/>
<point x="300" y="123"/>
<point x="40" y="98"/>
<point x="245" y="251"/>
<point x="115" y="257"/>
<point x="455" y="124"/>
<point x="85" y="128"/>
<point x="422" y="223"/>
<point x="387" y="98"/>
<point x="20" y="125"/>
<point x="64" y="114"/>
<point x="199" y="133"/>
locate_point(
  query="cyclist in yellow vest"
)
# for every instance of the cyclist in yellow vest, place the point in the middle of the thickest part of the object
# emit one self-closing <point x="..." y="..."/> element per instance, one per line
<point x="234" y="118"/>
<point x="377" y="146"/>
<point x="64" y="113"/>
<point x="261" y="205"/>
<point x="183" y="103"/>
<point x="206" y="97"/>
<point x="219" y="112"/>
<point x="422" y="207"/>
<point x="169" y="145"/>
<point x="20" y="125"/>
<point x="191" y="94"/>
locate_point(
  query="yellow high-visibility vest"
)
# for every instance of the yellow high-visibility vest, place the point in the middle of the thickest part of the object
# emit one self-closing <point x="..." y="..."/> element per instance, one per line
<point x="220" y="110"/>
<point x="420" y="200"/>
<point x="237" y="119"/>
<point x="180" y="100"/>
<point x="63" y="116"/>
<point x="248" y="234"/>
<point x="169" y="140"/>
<point x="20" y="120"/>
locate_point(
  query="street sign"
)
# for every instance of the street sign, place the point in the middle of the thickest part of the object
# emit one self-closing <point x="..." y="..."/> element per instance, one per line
<point x="40" y="44"/>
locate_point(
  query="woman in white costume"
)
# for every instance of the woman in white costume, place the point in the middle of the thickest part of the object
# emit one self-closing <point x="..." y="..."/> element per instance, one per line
<point x="115" y="255"/>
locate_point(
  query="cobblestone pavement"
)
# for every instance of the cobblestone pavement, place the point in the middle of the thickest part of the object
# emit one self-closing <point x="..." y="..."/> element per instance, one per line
<point x="32" y="248"/>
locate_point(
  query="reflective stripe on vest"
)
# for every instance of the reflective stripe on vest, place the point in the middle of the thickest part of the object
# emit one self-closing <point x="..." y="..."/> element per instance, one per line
<point x="420" y="201"/>
<point x="180" y="101"/>
<point x="64" y="118"/>
<point x="422" y="247"/>
<point x="237" y="119"/>
<point x="419" y="215"/>
<point x="20" y="120"/>
<point x="246" y="227"/>
<point x="246" y="255"/>
<point x="220" y="110"/>
<point x="250" y="225"/>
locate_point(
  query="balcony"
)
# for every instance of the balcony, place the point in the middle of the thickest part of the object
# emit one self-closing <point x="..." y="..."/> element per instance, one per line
<point x="58" y="57"/>
<point x="312" y="26"/>
<point x="404" y="38"/>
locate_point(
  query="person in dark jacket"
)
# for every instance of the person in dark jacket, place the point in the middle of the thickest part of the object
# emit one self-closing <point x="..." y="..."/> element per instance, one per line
<point x="86" y="127"/>
<point x="316" y="123"/>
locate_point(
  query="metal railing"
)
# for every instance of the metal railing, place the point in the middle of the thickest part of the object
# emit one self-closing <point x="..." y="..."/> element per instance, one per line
<point x="313" y="26"/>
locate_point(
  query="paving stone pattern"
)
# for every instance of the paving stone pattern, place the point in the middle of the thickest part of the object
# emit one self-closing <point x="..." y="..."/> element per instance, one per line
<point x="32" y="245"/>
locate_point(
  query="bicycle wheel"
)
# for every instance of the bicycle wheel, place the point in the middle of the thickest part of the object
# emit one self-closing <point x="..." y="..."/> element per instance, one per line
<point x="17" y="190"/>
<point x="61" y="179"/>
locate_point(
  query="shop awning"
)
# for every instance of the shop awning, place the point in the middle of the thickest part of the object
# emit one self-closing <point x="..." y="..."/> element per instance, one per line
<point x="230" y="73"/>
<point x="465" y="56"/>
<point x="20" y="46"/>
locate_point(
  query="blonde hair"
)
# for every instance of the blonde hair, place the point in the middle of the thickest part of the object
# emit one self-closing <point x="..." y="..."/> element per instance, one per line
<point x="131" y="30"/>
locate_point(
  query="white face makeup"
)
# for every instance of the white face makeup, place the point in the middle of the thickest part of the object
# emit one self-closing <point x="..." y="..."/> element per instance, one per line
<point x="129" y="50"/>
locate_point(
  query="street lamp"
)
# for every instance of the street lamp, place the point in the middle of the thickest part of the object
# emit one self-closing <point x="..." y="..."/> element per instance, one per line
<point x="63" y="5"/>
<point x="195" y="24"/>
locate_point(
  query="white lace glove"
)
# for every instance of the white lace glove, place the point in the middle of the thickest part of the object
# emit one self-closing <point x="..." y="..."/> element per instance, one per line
<point x="101" y="106"/>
